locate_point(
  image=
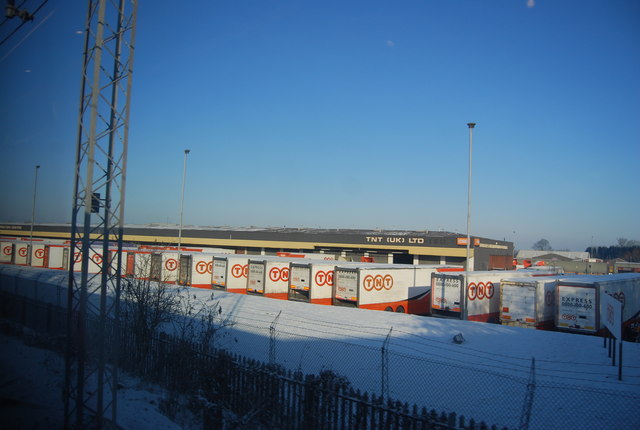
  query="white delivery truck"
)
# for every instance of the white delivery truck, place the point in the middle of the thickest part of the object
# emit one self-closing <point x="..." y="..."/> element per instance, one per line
<point x="230" y="272"/>
<point x="268" y="276"/>
<point x="529" y="302"/>
<point x="403" y="288"/>
<point x="579" y="302"/>
<point x="479" y="300"/>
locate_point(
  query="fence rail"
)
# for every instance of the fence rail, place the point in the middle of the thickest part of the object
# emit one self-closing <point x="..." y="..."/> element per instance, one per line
<point x="240" y="389"/>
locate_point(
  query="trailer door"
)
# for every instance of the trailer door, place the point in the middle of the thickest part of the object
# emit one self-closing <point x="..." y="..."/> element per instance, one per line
<point x="255" y="281"/>
<point x="219" y="272"/>
<point x="130" y="269"/>
<point x="156" y="267"/>
<point x="45" y="257"/>
<point x="184" y="273"/>
<point x="577" y="308"/>
<point x="446" y="294"/>
<point x="299" y="282"/>
<point x="65" y="258"/>
<point x="345" y="284"/>
<point x="517" y="303"/>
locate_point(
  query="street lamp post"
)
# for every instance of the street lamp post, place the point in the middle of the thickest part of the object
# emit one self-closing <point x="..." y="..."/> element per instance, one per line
<point x="33" y="215"/>
<point x="471" y="125"/>
<point x="184" y="176"/>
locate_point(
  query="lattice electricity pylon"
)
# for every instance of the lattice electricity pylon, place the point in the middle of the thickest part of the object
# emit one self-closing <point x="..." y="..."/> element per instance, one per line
<point x="90" y="390"/>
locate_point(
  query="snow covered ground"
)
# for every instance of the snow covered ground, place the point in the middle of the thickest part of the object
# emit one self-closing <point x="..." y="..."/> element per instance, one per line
<point x="484" y="378"/>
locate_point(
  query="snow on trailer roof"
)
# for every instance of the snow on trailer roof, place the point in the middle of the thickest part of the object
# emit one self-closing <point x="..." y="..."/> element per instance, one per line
<point x="592" y="279"/>
<point x="532" y="279"/>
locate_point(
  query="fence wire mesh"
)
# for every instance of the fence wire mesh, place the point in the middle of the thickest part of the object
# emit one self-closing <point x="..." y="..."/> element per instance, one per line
<point x="422" y="374"/>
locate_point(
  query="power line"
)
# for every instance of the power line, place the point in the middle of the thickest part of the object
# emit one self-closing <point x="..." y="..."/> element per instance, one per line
<point x="25" y="16"/>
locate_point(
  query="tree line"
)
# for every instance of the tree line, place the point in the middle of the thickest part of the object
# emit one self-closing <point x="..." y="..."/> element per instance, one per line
<point x="627" y="250"/>
<point x="626" y="253"/>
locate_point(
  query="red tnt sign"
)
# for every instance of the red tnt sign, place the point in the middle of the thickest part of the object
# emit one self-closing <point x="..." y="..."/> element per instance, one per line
<point x="276" y="274"/>
<point x="203" y="267"/>
<point x="324" y="278"/>
<point x="480" y="291"/>
<point x="377" y="282"/>
<point x="240" y="271"/>
<point x="171" y="264"/>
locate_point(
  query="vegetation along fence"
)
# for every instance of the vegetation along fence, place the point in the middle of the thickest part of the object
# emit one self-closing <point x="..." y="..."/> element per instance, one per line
<point x="239" y="392"/>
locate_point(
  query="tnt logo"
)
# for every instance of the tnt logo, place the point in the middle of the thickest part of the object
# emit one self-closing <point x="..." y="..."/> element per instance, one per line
<point x="22" y="252"/>
<point x="240" y="271"/>
<point x="276" y="274"/>
<point x="171" y="264"/>
<point x="480" y="291"/>
<point x="377" y="282"/>
<point x="39" y="253"/>
<point x="6" y="250"/>
<point x="203" y="267"/>
<point x="324" y="278"/>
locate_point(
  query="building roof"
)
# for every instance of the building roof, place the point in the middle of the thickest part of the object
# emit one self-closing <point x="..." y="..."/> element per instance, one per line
<point x="550" y="255"/>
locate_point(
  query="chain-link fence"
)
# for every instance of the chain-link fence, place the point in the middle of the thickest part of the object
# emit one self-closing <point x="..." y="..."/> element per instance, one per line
<point x="390" y="364"/>
<point x="499" y="389"/>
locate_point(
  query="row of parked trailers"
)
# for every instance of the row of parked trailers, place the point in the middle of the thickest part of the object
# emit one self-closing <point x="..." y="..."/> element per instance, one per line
<point x="538" y="298"/>
<point x="541" y="299"/>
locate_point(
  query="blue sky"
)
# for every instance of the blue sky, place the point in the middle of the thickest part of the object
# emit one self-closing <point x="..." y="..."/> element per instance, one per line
<point x="349" y="114"/>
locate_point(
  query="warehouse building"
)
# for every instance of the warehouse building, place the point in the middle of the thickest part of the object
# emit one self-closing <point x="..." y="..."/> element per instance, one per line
<point x="382" y="246"/>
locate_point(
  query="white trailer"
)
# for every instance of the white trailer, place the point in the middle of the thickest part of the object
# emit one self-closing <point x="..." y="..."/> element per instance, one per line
<point x="312" y="281"/>
<point x="268" y="276"/>
<point x="164" y="267"/>
<point x="57" y="257"/>
<point x="96" y="258"/>
<point x="310" y="255"/>
<point x="7" y="248"/>
<point x="196" y="269"/>
<point x="136" y="264"/>
<point x="230" y="272"/>
<point x="403" y="288"/>
<point x="38" y="250"/>
<point x="20" y="253"/>
<point x="479" y="300"/>
<point x="528" y="302"/>
<point x="580" y="305"/>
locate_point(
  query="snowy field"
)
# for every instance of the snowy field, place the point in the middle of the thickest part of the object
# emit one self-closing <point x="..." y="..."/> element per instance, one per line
<point x="484" y="378"/>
